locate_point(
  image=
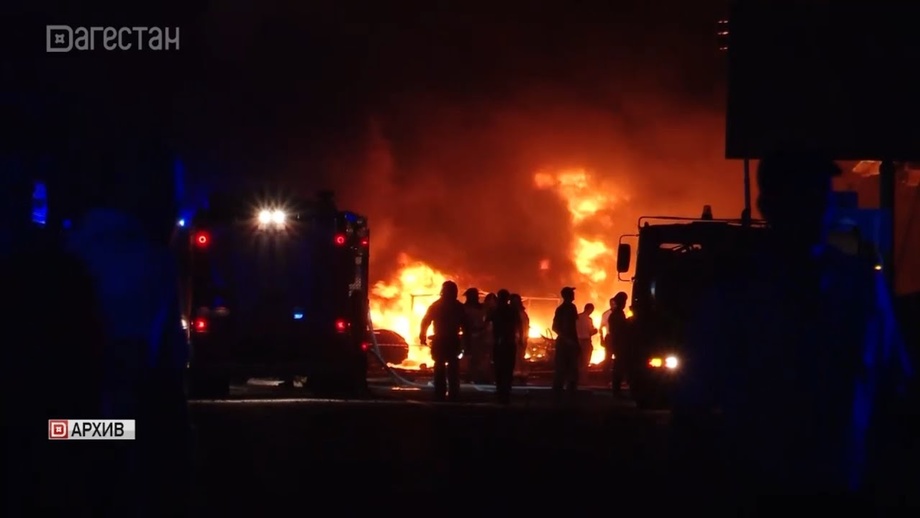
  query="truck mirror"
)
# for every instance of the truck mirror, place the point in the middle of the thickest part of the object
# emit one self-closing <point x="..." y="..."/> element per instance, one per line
<point x="624" y="255"/>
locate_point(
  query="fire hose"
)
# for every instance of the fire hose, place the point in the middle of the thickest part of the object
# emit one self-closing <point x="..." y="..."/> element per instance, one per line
<point x="377" y="354"/>
<point x="392" y="372"/>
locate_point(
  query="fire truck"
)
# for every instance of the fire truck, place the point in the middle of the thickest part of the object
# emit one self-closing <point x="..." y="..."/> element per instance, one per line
<point x="275" y="286"/>
<point x="678" y="258"/>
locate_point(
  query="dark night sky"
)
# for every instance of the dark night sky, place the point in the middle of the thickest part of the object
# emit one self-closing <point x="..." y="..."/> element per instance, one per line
<point x="255" y="76"/>
<point x="413" y="109"/>
<point x="282" y="75"/>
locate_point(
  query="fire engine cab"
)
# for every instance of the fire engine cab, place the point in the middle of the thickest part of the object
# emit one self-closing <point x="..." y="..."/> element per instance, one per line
<point x="677" y="258"/>
<point x="275" y="286"/>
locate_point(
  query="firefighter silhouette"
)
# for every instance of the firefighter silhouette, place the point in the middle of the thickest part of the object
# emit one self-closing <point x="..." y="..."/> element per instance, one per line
<point x="474" y="340"/>
<point x="485" y="360"/>
<point x="449" y="318"/>
<point x="506" y="324"/>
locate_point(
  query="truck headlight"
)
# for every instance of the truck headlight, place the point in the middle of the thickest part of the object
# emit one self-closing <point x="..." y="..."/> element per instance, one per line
<point x="269" y="217"/>
<point x="669" y="362"/>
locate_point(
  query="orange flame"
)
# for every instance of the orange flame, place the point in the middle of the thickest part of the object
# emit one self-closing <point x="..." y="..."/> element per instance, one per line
<point x="399" y="303"/>
<point x="591" y="203"/>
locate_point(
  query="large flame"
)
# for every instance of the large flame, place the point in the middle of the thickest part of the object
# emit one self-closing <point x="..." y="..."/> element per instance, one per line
<point x="399" y="303"/>
<point x="592" y="204"/>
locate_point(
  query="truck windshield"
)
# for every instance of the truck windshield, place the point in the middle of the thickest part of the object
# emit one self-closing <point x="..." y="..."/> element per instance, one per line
<point x="681" y="270"/>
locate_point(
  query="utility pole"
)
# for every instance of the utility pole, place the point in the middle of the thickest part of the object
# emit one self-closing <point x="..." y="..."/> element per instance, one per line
<point x="887" y="184"/>
<point x="746" y="214"/>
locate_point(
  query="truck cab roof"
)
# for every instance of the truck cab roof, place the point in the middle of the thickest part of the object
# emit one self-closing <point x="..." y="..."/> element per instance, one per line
<point x="679" y="230"/>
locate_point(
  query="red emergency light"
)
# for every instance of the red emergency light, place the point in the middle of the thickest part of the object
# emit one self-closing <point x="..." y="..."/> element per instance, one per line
<point x="341" y="325"/>
<point x="365" y="241"/>
<point x="200" y="325"/>
<point x="340" y="239"/>
<point x="365" y="346"/>
<point x="202" y="239"/>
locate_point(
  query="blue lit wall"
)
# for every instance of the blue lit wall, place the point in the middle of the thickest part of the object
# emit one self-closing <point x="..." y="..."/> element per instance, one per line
<point x="191" y="195"/>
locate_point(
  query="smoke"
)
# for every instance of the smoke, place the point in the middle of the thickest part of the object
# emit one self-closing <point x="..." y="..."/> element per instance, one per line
<point x="459" y="108"/>
<point x="452" y="183"/>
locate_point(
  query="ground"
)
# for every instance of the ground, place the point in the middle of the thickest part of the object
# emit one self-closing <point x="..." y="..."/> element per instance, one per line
<point x="267" y="446"/>
<point x="271" y="444"/>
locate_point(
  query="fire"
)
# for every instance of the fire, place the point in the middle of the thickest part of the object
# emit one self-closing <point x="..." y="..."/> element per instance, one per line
<point x="399" y="303"/>
<point x="590" y="203"/>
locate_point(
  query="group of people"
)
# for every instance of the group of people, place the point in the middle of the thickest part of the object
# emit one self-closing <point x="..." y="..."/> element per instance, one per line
<point x="492" y="331"/>
<point x="573" y="355"/>
<point x="496" y="330"/>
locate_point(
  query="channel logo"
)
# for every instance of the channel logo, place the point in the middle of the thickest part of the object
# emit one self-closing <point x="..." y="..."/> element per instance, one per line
<point x="57" y="429"/>
<point x="91" y="429"/>
<point x="64" y="38"/>
<point x="58" y="38"/>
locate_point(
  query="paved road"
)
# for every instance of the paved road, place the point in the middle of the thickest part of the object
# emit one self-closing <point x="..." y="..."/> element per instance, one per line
<point x="421" y="388"/>
<point x="267" y="446"/>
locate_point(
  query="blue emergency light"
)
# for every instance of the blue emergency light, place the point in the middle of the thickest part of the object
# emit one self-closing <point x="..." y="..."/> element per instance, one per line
<point x="40" y="204"/>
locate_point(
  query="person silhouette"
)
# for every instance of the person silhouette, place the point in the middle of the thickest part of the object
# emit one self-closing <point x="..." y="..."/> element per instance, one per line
<point x="52" y="300"/>
<point x="618" y="340"/>
<point x="523" y="334"/>
<point x="122" y="225"/>
<point x="474" y="341"/>
<point x="506" y="324"/>
<point x="449" y="318"/>
<point x="567" y="354"/>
